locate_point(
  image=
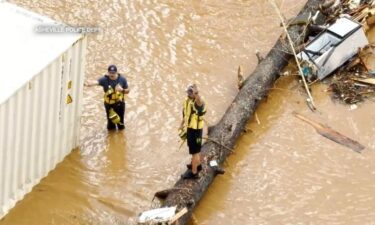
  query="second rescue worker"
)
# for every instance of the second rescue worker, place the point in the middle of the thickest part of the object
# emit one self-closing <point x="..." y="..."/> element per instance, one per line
<point x="192" y="123"/>
<point x="115" y="86"/>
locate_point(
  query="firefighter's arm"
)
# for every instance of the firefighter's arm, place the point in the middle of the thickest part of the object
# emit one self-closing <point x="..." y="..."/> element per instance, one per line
<point x="181" y="125"/>
<point x="121" y="89"/>
<point x="90" y="83"/>
<point x="126" y="91"/>
<point x="182" y="121"/>
<point x="198" y="100"/>
<point x="197" y="97"/>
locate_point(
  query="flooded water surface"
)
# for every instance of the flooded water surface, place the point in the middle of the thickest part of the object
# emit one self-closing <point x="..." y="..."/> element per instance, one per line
<point x="282" y="172"/>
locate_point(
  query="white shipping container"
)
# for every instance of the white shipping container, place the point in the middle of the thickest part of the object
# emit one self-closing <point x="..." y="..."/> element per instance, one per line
<point x="40" y="100"/>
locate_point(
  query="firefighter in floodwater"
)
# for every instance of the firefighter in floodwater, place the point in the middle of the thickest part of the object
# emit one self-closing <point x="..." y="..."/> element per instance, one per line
<point x="115" y="86"/>
<point x="191" y="128"/>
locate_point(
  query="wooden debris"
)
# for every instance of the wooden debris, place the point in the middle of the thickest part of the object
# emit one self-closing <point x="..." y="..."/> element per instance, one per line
<point x="209" y="139"/>
<point x="331" y="134"/>
<point x="330" y="7"/>
<point x="370" y="19"/>
<point x="240" y="78"/>
<point x="259" y="56"/>
<point x="366" y="81"/>
<point x="353" y="63"/>
<point x="257" y="119"/>
<point x="300" y="47"/>
<point x="317" y="28"/>
<point x="326" y="5"/>
<point x="178" y="215"/>
<point x="346" y="83"/>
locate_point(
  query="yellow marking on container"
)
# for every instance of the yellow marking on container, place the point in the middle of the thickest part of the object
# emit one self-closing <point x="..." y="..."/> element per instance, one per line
<point x="69" y="99"/>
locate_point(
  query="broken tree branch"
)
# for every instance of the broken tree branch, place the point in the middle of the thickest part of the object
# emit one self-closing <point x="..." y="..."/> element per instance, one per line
<point x="294" y="53"/>
<point x="331" y="134"/>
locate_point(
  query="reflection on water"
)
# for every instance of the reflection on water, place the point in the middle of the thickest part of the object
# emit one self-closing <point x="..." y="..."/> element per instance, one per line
<point x="283" y="172"/>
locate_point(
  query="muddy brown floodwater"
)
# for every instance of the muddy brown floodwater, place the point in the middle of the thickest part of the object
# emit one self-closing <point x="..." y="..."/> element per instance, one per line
<point x="282" y="171"/>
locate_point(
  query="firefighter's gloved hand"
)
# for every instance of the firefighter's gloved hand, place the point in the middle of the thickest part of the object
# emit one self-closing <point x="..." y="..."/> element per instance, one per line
<point x="182" y="133"/>
<point x="119" y="88"/>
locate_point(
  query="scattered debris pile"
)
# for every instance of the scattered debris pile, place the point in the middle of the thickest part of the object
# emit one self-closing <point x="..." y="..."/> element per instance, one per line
<point x="356" y="80"/>
<point x="359" y="10"/>
<point x="339" y="44"/>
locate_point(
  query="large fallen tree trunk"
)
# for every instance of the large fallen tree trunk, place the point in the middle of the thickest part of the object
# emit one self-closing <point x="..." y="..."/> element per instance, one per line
<point x="187" y="193"/>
